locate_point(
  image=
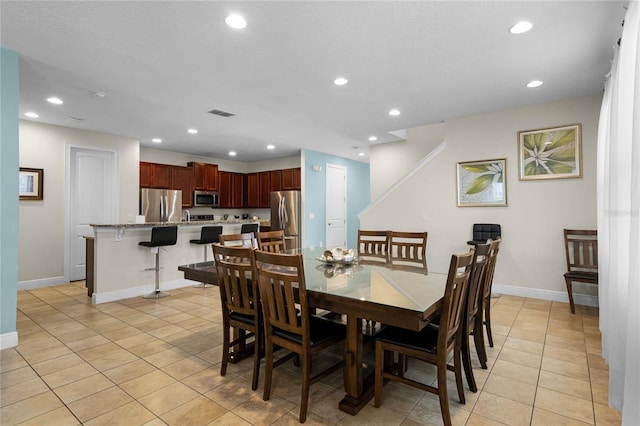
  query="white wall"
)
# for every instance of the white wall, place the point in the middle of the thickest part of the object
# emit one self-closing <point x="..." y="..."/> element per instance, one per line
<point x="531" y="259"/>
<point x="42" y="232"/>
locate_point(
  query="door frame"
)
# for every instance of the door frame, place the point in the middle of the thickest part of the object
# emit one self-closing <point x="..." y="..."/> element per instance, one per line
<point x="70" y="147"/>
<point x="326" y="228"/>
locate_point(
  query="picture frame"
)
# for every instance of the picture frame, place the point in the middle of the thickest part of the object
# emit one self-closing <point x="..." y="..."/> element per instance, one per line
<point x="551" y="153"/>
<point x="30" y="183"/>
<point x="482" y="183"/>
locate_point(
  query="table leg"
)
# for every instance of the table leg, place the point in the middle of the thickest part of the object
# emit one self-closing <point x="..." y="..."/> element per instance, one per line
<point x="359" y="391"/>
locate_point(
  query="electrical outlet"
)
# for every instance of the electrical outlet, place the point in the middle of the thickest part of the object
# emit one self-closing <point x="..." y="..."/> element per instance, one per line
<point x="312" y="215"/>
<point x="320" y="244"/>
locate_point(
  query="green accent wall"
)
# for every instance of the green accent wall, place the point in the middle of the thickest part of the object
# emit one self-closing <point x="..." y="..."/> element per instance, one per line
<point x="9" y="102"/>
<point x="315" y="184"/>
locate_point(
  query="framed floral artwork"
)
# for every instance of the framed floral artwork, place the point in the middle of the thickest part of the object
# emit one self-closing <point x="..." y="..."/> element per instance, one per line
<point x="482" y="183"/>
<point x="554" y="153"/>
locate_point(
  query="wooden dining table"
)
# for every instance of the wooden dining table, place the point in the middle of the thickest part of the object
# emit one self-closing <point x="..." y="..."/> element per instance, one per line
<point x="361" y="292"/>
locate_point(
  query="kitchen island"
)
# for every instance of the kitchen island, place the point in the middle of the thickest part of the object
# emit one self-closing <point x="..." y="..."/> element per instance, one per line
<point x="122" y="268"/>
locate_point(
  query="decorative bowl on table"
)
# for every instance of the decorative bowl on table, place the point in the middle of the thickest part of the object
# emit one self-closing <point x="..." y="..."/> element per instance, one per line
<point x="338" y="256"/>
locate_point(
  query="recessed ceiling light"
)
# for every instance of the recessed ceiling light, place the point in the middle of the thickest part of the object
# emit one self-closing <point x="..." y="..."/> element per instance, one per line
<point x="31" y="114"/>
<point x="156" y="140"/>
<point x="372" y="138"/>
<point x="192" y="131"/>
<point x="54" y="100"/>
<point x="534" y="83"/>
<point x="236" y="21"/>
<point x="271" y="147"/>
<point x="232" y="153"/>
<point x="394" y="112"/>
<point x="521" y="27"/>
<point x="361" y="154"/>
<point x="340" y="81"/>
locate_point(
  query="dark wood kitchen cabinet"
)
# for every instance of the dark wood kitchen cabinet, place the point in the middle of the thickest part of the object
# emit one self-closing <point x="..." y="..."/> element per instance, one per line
<point x="264" y="188"/>
<point x="225" y="188"/>
<point x="291" y="179"/>
<point x="153" y="175"/>
<point x="182" y="179"/>
<point x="276" y="180"/>
<point x="252" y="194"/>
<point x="205" y="176"/>
<point x="237" y="195"/>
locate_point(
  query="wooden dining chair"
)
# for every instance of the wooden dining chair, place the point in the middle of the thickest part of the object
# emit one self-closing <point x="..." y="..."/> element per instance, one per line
<point x="272" y="241"/>
<point x="494" y="247"/>
<point x="434" y="343"/>
<point x="246" y="239"/>
<point x="240" y="305"/>
<point x="282" y="283"/>
<point x="581" y="249"/>
<point x="373" y="247"/>
<point x="408" y="251"/>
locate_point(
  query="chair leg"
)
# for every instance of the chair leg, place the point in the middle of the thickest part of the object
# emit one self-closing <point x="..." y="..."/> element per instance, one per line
<point x="442" y="392"/>
<point x="570" y="292"/>
<point x="457" y="368"/>
<point x="269" y="370"/>
<point x="466" y="362"/>
<point x="478" y="339"/>
<point x="380" y="355"/>
<point x="256" y="358"/>
<point x="487" y="320"/>
<point x="306" y="379"/>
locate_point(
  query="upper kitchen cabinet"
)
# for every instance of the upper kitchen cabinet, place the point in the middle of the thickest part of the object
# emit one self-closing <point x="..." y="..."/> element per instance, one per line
<point x="276" y="180"/>
<point x="182" y="179"/>
<point x="206" y="176"/>
<point x="291" y="179"/>
<point x="264" y="190"/>
<point x="154" y="175"/>
<point x="237" y="196"/>
<point x="252" y="194"/>
<point x="225" y="180"/>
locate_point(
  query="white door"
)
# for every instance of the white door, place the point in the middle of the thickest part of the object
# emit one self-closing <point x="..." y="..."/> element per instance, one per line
<point x="336" y="200"/>
<point x="91" y="191"/>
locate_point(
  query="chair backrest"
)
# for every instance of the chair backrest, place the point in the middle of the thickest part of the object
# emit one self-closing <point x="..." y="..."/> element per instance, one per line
<point x="475" y="293"/>
<point x="373" y="246"/>
<point x="249" y="227"/>
<point x="453" y="302"/>
<point x="272" y="241"/>
<point x="581" y="248"/>
<point x="210" y="234"/>
<point x="486" y="231"/>
<point x="244" y="240"/>
<point x="236" y="267"/>
<point x="282" y="284"/>
<point x="494" y="247"/>
<point x="408" y="251"/>
<point x="164" y="235"/>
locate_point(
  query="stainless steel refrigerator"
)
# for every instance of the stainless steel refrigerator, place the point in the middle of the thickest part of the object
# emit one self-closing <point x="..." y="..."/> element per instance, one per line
<point x="286" y="214"/>
<point x="161" y="205"/>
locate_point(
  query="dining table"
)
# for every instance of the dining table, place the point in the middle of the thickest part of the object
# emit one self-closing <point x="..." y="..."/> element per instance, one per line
<point x="356" y="292"/>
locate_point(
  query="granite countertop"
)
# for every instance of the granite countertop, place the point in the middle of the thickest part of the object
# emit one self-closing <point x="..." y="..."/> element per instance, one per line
<point x="193" y="222"/>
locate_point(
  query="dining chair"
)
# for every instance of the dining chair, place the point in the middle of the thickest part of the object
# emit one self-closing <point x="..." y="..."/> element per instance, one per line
<point x="272" y="241"/>
<point x="282" y="283"/>
<point x="581" y="249"/>
<point x="494" y="247"/>
<point x="240" y="305"/>
<point x="373" y="247"/>
<point x="246" y="239"/>
<point x="408" y="251"/>
<point x="473" y="313"/>
<point x="434" y="343"/>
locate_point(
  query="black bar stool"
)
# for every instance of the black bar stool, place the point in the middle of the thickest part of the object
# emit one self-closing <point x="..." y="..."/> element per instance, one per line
<point x="249" y="227"/>
<point x="160" y="236"/>
<point x="208" y="235"/>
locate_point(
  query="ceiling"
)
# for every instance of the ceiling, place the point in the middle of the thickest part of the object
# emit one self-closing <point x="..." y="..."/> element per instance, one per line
<point x="163" y="64"/>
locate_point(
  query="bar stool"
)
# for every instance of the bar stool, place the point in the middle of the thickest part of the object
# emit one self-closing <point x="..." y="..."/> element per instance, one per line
<point x="249" y="227"/>
<point x="160" y="236"/>
<point x="208" y="235"/>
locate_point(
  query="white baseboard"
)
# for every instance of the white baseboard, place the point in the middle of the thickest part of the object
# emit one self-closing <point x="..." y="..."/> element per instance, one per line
<point x="8" y="340"/>
<point x="112" y="296"/>
<point x="538" y="293"/>
<point x="43" y="282"/>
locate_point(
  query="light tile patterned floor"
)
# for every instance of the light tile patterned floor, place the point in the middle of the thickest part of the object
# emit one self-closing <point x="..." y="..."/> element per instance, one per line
<point x="148" y="362"/>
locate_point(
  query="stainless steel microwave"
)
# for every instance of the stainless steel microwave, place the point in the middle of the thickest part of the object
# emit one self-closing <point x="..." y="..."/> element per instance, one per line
<point x="205" y="199"/>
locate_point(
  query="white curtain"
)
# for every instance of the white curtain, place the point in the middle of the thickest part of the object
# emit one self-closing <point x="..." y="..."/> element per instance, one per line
<point x="619" y="222"/>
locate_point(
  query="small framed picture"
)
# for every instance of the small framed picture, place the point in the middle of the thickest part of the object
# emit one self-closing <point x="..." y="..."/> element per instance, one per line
<point x="553" y="153"/>
<point x="482" y="183"/>
<point x="31" y="183"/>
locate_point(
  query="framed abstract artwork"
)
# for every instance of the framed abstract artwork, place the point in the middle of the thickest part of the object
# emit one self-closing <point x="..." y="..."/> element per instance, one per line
<point x="553" y="153"/>
<point x="30" y="183"/>
<point x="482" y="183"/>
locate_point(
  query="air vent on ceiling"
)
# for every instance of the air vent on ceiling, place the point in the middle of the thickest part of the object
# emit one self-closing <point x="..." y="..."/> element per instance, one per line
<point x="75" y="119"/>
<point x="221" y="113"/>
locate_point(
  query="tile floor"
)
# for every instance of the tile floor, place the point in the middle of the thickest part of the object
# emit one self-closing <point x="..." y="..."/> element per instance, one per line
<point x="148" y="362"/>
